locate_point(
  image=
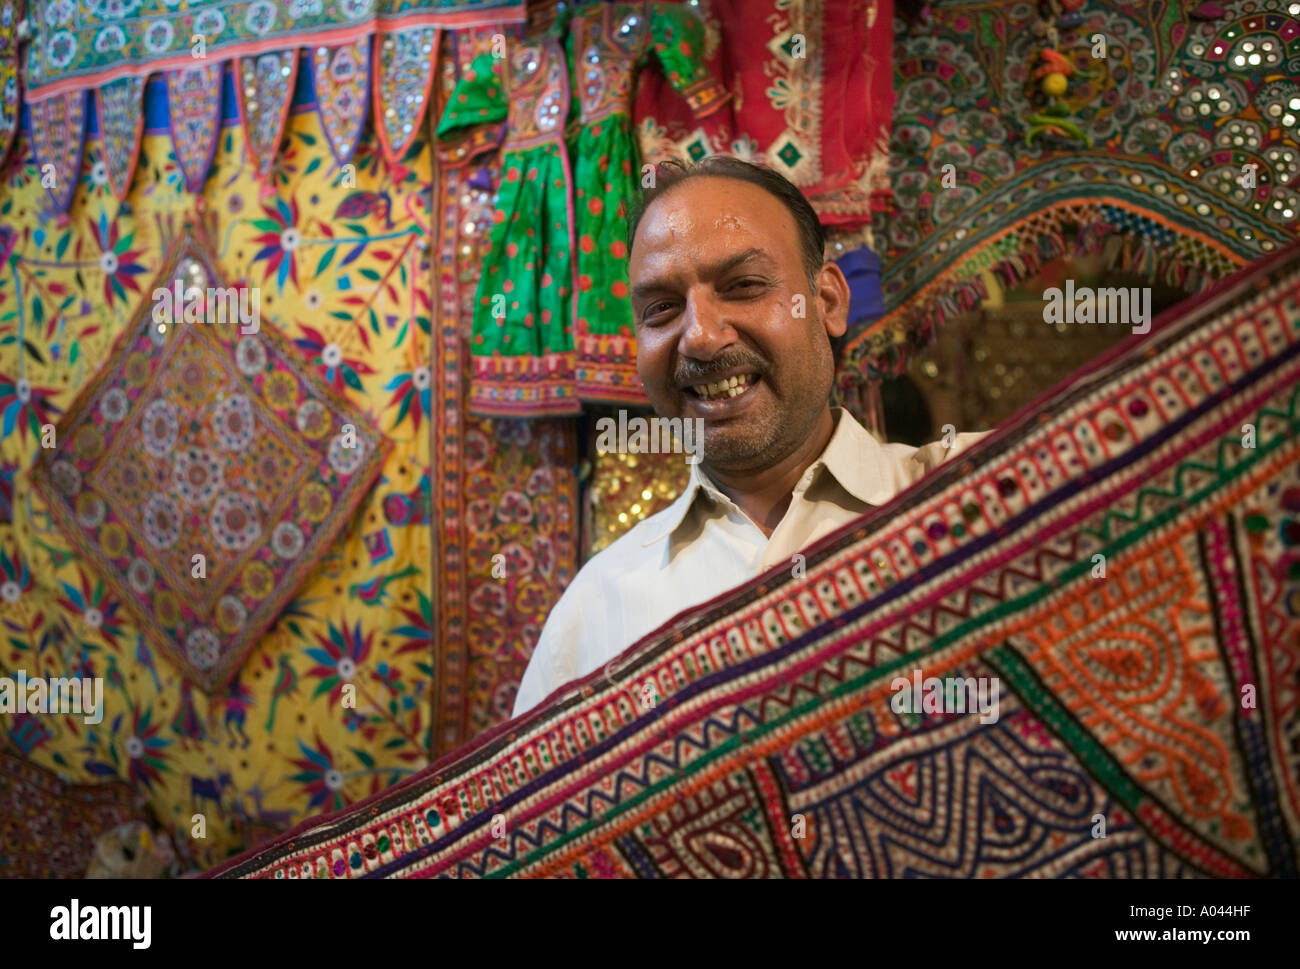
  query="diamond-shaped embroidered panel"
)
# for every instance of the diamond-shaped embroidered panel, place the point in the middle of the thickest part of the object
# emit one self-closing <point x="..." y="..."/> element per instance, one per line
<point x="206" y="438"/>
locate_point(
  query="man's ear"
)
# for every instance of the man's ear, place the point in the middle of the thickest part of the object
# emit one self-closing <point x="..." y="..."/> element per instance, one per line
<point x="833" y="297"/>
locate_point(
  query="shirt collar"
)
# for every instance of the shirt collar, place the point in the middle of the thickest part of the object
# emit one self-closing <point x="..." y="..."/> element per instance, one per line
<point x="853" y="457"/>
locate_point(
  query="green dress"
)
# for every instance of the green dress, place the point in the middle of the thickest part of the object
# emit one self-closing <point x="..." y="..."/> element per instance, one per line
<point x="609" y="44"/>
<point x="522" y="346"/>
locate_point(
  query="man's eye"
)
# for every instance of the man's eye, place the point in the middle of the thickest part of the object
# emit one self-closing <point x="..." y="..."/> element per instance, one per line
<point x="655" y="308"/>
<point x="747" y="285"/>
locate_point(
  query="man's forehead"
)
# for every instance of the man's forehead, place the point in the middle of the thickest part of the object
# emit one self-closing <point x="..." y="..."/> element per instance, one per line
<point x="713" y="204"/>
<point x="713" y="222"/>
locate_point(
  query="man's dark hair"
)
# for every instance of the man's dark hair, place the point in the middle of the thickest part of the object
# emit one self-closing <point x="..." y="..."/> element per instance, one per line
<point x="812" y="238"/>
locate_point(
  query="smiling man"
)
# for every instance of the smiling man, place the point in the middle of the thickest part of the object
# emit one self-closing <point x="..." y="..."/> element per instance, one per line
<point x="735" y="310"/>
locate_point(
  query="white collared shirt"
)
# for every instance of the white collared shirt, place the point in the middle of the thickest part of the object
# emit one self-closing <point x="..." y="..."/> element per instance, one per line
<point x="702" y="545"/>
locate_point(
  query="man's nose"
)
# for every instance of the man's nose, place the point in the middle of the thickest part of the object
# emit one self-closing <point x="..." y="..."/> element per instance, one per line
<point x="706" y="329"/>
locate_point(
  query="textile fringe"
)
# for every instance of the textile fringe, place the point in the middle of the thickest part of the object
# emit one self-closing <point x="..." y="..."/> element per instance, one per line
<point x="887" y="347"/>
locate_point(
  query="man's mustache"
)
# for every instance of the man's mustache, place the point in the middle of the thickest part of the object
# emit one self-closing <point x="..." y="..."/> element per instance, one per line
<point x="694" y="371"/>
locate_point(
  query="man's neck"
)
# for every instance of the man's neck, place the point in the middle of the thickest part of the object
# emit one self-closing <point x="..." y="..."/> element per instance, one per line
<point x="764" y="496"/>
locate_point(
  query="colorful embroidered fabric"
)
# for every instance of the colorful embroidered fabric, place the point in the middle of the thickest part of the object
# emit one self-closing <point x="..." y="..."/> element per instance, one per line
<point x="523" y="315"/>
<point x="608" y="43"/>
<point x="84" y="46"/>
<point x="403" y="72"/>
<point x="11" y="12"/>
<point x="343" y="271"/>
<point x="120" y="124"/>
<point x="811" y="96"/>
<point x="506" y="491"/>
<point x="265" y="90"/>
<point x="194" y="109"/>
<point x="356" y="289"/>
<point x="342" y="78"/>
<point x="1123" y="561"/>
<point x="1176" y="111"/>
<point x="48" y="827"/>
<point x="205" y="471"/>
<point x="58" y="131"/>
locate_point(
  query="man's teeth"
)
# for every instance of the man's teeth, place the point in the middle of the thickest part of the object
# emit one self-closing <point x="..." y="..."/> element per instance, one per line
<point x="730" y="387"/>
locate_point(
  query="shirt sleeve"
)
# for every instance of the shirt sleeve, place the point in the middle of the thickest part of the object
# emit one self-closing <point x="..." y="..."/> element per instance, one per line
<point x="478" y="97"/>
<point x="677" y="39"/>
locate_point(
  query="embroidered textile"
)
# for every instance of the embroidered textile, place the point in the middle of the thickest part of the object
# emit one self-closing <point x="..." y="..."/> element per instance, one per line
<point x="364" y="286"/>
<point x="608" y="43"/>
<point x="194" y="110"/>
<point x="694" y="752"/>
<point x="404" y="73"/>
<point x="120" y="124"/>
<point x="48" y="827"/>
<point x="11" y="12"/>
<point x="58" y="130"/>
<point x="201" y="439"/>
<point x="506" y="492"/>
<point x="265" y="90"/>
<point x="342" y="78"/>
<point x="811" y="96"/>
<point x="523" y="314"/>
<point x="1175" y="114"/>
<point x="84" y="45"/>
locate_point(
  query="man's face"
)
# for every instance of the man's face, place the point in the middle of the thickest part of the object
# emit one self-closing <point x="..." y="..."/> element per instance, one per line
<point x="719" y="291"/>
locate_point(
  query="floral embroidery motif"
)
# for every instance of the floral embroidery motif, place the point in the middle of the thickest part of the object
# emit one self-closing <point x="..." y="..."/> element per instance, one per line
<point x="192" y="491"/>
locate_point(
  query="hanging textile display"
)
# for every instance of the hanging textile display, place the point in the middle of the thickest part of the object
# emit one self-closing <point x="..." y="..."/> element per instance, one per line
<point x="194" y="110"/>
<point x="608" y="44"/>
<point x="505" y="490"/>
<point x="114" y="52"/>
<point x="264" y="88"/>
<point x="813" y="695"/>
<point x="403" y="73"/>
<point x="1176" y="153"/>
<point x="70" y="49"/>
<point x="120" y="124"/>
<point x="811" y="97"/>
<point x="523" y="314"/>
<point x="342" y="80"/>
<point x="11" y="12"/>
<point x="58" y="130"/>
<point x="354" y="296"/>
<point x="205" y="450"/>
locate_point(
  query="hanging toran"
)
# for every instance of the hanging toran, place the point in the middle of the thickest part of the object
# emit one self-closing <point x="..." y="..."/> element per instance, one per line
<point x="1166" y="136"/>
<point x="357" y="49"/>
